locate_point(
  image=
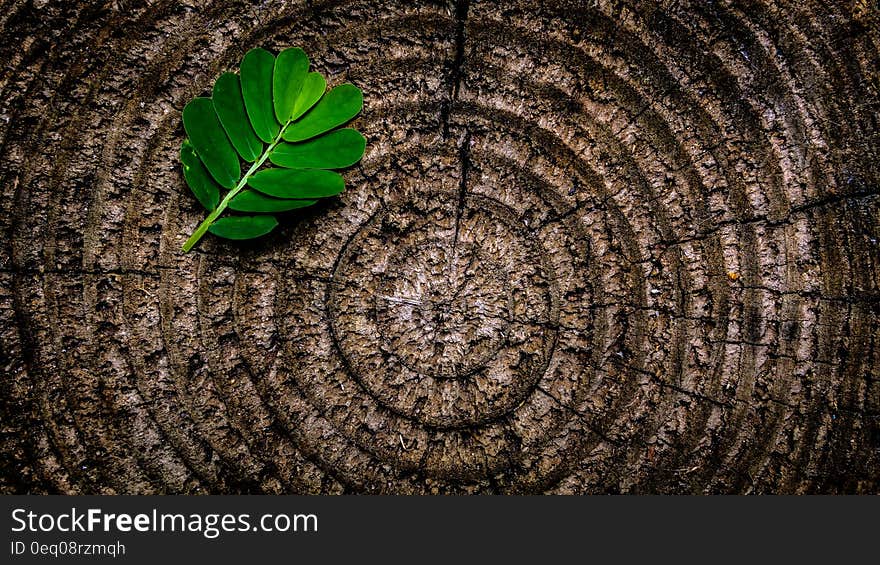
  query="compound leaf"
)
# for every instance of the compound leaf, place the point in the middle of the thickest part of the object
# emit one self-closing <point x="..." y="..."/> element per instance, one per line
<point x="275" y="101"/>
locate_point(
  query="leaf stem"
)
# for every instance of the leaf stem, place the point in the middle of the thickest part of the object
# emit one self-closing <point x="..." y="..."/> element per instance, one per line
<point x="221" y="207"/>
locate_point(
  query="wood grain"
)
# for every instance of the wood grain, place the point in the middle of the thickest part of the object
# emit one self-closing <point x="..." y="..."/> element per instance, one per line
<point x="593" y="247"/>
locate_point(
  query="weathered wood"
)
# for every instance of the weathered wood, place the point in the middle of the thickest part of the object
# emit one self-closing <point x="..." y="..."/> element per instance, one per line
<point x="592" y="247"/>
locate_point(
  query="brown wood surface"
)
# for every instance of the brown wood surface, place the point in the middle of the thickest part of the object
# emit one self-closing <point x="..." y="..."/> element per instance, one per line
<point x="592" y="247"/>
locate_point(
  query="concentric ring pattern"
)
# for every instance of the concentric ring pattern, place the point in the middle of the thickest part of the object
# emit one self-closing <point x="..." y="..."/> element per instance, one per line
<point x="592" y="247"/>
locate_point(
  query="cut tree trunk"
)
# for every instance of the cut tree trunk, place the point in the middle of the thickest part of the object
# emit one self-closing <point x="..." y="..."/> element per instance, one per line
<point x="592" y="247"/>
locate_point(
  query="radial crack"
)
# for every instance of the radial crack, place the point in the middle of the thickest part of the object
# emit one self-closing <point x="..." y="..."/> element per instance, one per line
<point x="461" y="15"/>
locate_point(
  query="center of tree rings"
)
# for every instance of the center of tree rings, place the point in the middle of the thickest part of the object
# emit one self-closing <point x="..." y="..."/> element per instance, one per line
<point x="446" y="314"/>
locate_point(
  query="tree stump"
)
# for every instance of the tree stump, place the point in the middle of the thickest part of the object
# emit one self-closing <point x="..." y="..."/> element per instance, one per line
<point x="593" y="247"/>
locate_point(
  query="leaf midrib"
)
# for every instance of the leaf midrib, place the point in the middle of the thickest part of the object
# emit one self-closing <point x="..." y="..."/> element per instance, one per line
<point x="206" y="223"/>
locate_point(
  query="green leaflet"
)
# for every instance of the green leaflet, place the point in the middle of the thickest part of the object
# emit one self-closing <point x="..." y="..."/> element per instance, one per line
<point x="298" y="183"/>
<point x="335" y="108"/>
<point x="252" y="201"/>
<point x="313" y="89"/>
<point x="336" y="150"/>
<point x="229" y="105"/>
<point x="291" y="67"/>
<point x="249" y="117"/>
<point x="197" y="177"/>
<point x="243" y="227"/>
<point x="256" y="86"/>
<point x="210" y="141"/>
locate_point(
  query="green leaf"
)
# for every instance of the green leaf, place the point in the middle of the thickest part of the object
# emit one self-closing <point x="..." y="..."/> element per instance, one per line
<point x="336" y="150"/>
<point x="297" y="183"/>
<point x="256" y="87"/>
<point x="252" y="201"/>
<point x="229" y="105"/>
<point x="312" y="90"/>
<point x="248" y="111"/>
<point x="291" y="67"/>
<point x="243" y="227"/>
<point x="336" y="107"/>
<point x="210" y="142"/>
<point x="197" y="177"/>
